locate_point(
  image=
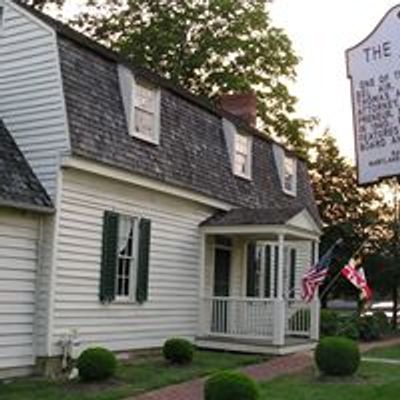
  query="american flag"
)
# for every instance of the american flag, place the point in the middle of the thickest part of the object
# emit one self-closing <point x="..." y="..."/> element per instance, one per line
<point x="316" y="275"/>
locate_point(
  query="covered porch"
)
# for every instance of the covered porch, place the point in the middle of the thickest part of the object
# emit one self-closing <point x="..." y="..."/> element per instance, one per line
<point x="250" y="297"/>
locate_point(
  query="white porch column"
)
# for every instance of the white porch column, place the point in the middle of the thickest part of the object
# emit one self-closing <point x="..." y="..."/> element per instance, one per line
<point x="279" y="318"/>
<point x="315" y="305"/>
<point x="314" y="320"/>
<point x="202" y="313"/>
<point x="279" y="291"/>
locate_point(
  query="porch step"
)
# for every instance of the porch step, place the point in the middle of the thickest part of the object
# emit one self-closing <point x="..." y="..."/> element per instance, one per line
<point x="255" y="346"/>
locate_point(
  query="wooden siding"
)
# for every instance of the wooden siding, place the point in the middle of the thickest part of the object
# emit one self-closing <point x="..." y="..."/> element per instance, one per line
<point x="18" y="261"/>
<point x="31" y="94"/>
<point x="172" y="309"/>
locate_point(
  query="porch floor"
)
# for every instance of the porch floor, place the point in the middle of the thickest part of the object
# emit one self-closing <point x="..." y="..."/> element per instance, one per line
<point x="256" y="346"/>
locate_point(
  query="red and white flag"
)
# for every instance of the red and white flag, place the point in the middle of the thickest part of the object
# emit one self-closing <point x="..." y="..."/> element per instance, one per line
<point x="357" y="277"/>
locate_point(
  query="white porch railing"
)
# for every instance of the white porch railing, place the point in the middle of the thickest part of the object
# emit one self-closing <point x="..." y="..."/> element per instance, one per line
<point x="238" y="317"/>
<point x="298" y="318"/>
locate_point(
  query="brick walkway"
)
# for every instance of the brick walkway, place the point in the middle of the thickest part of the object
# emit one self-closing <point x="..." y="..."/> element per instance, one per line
<point x="193" y="390"/>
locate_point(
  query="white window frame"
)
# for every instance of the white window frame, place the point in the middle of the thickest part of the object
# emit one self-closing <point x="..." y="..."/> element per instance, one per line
<point x="128" y="88"/>
<point x="248" y="162"/>
<point x="156" y="113"/>
<point x="133" y="270"/>
<point x="293" y="190"/>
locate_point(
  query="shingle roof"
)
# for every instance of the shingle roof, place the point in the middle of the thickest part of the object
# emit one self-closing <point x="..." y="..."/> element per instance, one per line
<point x="19" y="187"/>
<point x="192" y="153"/>
<point x="248" y="216"/>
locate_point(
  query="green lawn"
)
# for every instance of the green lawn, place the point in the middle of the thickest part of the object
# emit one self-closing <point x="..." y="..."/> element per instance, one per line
<point x="372" y="382"/>
<point x="132" y="378"/>
<point x="385" y="352"/>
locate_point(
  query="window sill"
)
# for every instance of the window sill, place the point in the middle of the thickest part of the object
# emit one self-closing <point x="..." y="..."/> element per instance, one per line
<point x="290" y="192"/>
<point x="243" y="176"/>
<point x="153" y="140"/>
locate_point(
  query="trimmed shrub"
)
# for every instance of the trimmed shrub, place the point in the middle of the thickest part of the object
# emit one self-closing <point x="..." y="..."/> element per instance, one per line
<point x="178" y="351"/>
<point x="383" y="322"/>
<point x="337" y="356"/>
<point x="96" y="364"/>
<point x="230" y="385"/>
<point x="368" y="326"/>
<point x="329" y="322"/>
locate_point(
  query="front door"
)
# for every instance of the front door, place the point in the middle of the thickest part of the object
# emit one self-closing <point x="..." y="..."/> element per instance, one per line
<point x="222" y="274"/>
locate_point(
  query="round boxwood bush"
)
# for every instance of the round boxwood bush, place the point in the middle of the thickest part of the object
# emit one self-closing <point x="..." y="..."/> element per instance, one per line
<point x="96" y="364"/>
<point x="337" y="356"/>
<point x="230" y="385"/>
<point x="178" y="351"/>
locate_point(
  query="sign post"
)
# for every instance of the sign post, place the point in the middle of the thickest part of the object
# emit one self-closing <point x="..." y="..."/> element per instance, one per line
<point x="373" y="67"/>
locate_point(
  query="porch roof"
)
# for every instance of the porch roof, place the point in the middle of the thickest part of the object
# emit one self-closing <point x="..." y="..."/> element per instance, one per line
<point x="245" y="220"/>
<point x="248" y="216"/>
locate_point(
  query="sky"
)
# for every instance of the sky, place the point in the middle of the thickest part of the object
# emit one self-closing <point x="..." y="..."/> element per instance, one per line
<point x="321" y="31"/>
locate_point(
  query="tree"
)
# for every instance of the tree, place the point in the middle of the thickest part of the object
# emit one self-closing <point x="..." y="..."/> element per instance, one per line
<point x="209" y="47"/>
<point x="357" y="214"/>
<point x="40" y="4"/>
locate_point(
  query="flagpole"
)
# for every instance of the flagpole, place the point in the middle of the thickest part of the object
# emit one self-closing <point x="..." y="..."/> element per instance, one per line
<point x="337" y="276"/>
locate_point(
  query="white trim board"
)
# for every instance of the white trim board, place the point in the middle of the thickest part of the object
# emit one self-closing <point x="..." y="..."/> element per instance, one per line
<point x="148" y="183"/>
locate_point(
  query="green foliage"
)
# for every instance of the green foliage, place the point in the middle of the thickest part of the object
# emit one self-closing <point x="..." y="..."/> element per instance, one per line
<point x="382" y="322"/>
<point x="96" y="364"/>
<point x="329" y="322"/>
<point x="337" y="356"/>
<point x="368" y="327"/>
<point x="209" y="47"/>
<point x="230" y="385"/>
<point x="348" y="326"/>
<point x="178" y="351"/>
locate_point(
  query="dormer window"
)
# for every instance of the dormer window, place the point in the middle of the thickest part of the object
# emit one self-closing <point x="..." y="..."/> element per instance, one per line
<point x="146" y="111"/>
<point x="242" y="156"/>
<point x="289" y="175"/>
<point x="141" y="100"/>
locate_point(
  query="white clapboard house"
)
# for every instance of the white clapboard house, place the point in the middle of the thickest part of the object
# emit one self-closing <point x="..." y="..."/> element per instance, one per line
<point x="139" y="212"/>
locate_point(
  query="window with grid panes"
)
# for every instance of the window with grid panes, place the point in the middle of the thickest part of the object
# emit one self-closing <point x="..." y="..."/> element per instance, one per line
<point x="146" y="98"/>
<point x="127" y="257"/>
<point x="289" y="175"/>
<point x="242" y="161"/>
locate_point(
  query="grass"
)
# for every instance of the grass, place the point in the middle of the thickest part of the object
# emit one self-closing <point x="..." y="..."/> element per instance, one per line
<point x="132" y="378"/>
<point x="392" y="353"/>
<point x="372" y="382"/>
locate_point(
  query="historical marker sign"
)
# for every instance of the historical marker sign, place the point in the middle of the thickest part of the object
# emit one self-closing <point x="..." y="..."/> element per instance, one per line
<point x="374" y="69"/>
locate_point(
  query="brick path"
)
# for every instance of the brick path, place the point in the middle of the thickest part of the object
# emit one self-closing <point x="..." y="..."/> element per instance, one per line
<point x="193" y="390"/>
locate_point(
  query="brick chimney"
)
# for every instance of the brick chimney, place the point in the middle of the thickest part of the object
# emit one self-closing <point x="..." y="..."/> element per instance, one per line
<point x="243" y="105"/>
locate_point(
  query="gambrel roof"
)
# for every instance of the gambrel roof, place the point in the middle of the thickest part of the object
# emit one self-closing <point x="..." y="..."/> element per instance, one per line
<point x="19" y="187"/>
<point x="192" y="153"/>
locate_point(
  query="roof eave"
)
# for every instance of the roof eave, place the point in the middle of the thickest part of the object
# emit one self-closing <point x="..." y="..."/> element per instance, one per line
<point x="27" y="207"/>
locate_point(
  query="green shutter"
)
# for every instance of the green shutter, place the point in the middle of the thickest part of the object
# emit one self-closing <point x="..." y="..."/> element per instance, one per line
<point x="109" y="257"/>
<point x="143" y="260"/>
<point x="292" y="275"/>
<point x="251" y="270"/>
